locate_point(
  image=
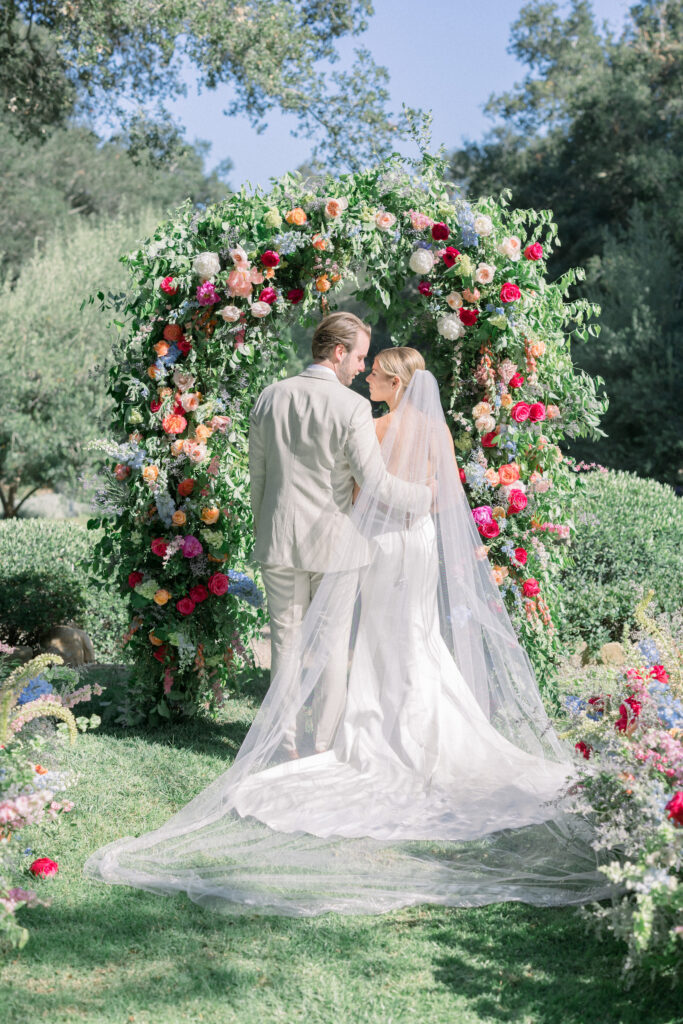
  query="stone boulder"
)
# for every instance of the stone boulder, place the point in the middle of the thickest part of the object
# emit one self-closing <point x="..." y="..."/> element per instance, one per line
<point x="71" y="643"/>
<point x="612" y="654"/>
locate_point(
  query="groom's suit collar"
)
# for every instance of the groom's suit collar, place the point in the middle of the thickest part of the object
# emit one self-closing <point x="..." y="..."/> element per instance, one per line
<point x="320" y="372"/>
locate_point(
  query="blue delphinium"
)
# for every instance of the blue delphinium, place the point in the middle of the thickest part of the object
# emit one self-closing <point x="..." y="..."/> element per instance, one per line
<point x="35" y="688"/>
<point x="243" y="586"/>
<point x="648" y="649"/>
<point x="669" y="708"/>
<point x="575" y="705"/>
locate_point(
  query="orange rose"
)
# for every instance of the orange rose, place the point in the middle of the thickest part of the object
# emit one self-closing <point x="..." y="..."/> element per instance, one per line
<point x="161" y="348"/>
<point x="335" y="277"/>
<point x="174" y="423"/>
<point x="498" y="512"/>
<point x="149" y="474"/>
<point x="185" y="487"/>
<point x="506" y="401"/>
<point x="319" y="243"/>
<point x="538" y="349"/>
<point x="202" y="432"/>
<point x="509" y="474"/>
<point x="152" y="372"/>
<point x="552" y="412"/>
<point x="491" y="476"/>
<point x="296" y="216"/>
<point x="178" y="518"/>
<point x="269" y="272"/>
<point x="165" y="392"/>
<point x="322" y="284"/>
<point x="154" y="640"/>
<point x="177" y="448"/>
<point x="210" y="515"/>
<point x="162" y="597"/>
<point x="499" y="573"/>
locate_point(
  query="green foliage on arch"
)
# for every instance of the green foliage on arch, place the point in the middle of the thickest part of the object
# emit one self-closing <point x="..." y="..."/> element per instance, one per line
<point x="213" y="293"/>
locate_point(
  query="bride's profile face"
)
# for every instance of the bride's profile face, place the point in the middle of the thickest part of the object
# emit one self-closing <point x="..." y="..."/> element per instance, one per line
<point x="383" y="386"/>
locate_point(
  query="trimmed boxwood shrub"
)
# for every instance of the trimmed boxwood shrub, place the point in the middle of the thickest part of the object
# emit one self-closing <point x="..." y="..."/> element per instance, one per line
<point x="44" y="582"/>
<point x="627" y="540"/>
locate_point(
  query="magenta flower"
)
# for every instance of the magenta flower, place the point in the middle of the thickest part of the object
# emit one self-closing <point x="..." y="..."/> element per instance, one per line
<point x="482" y="514"/>
<point x="207" y="294"/>
<point x="191" y="547"/>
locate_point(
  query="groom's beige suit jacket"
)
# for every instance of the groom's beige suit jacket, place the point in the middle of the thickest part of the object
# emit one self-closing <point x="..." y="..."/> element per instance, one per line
<point x="309" y="439"/>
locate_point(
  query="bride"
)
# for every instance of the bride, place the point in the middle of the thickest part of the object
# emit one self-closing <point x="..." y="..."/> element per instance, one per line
<point x="445" y="781"/>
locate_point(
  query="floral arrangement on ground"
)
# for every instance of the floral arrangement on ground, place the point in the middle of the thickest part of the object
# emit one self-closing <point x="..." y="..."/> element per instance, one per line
<point x="203" y="328"/>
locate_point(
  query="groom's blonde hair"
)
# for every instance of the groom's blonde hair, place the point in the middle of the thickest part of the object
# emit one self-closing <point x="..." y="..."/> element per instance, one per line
<point x="336" y="329"/>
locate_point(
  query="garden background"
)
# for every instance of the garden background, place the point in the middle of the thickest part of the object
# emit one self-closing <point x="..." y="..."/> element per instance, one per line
<point x="93" y="158"/>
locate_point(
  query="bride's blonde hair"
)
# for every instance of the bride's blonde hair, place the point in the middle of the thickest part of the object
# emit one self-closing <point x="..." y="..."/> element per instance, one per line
<point x="401" y="362"/>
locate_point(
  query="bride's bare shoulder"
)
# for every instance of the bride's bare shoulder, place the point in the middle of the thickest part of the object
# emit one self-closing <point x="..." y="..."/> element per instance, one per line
<point x="381" y="426"/>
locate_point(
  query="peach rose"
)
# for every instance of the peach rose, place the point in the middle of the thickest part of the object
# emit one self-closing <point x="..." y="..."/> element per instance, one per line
<point x="152" y="372"/>
<point x="508" y="474"/>
<point x="239" y="282"/>
<point x="202" y="432"/>
<point x="499" y="573"/>
<point x="190" y="401"/>
<point x="178" y="518"/>
<point x="230" y="314"/>
<point x="484" y="273"/>
<point x="239" y="257"/>
<point x="220" y="423"/>
<point x="210" y="515"/>
<point x="506" y="401"/>
<point x="162" y="596"/>
<point x="471" y="296"/>
<point x="498" y="512"/>
<point x="334" y="207"/>
<point x="491" y="475"/>
<point x="322" y="284"/>
<point x="161" y="348"/>
<point x="194" y="450"/>
<point x="296" y="216"/>
<point x="482" y="409"/>
<point x="384" y="220"/>
<point x="454" y="300"/>
<point x="182" y="379"/>
<point x="552" y="412"/>
<point x="177" y="448"/>
<point x="165" y="392"/>
<point x="319" y="243"/>
<point x="149" y="474"/>
<point x="485" y="424"/>
<point x="537" y="349"/>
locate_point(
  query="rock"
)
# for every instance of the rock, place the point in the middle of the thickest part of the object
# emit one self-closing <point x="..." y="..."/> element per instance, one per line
<point x="71" y="643"/>
<point x="612" y="654"/>
<point x="577" y="658"/>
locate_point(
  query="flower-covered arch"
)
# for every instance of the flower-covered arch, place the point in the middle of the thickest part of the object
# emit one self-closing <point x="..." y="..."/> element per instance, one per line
<point x="214" y="293"/>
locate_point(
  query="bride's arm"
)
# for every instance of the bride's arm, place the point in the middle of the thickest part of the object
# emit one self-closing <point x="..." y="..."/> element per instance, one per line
<point x="356" y="487"/>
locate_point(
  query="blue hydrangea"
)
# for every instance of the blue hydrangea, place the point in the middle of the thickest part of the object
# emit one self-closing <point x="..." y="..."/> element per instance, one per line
<point x="137" y="460"/>
<point x="575" y="705"/>
<point x="165" y="506"/>
<point x="421" y="244"/>
<point x="475" y="474"/>
<point x="35" y="688"/>
<point x="171" y="356"/>
<point x="649" y="652"/>
<point x="469" y="236"/>
<point x="669" y="708"/>
<point x="243" y="586"/>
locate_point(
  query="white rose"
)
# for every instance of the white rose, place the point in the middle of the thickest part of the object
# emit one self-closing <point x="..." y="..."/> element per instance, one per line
<point x="484" y="273"/>
<point x="483" y="225"/>
<point x="482" y="409"/>
<point x="206" y="265"/>
<point x="239" y="257"/>
<point x="385" y="221"/>
<point x="511" y="247"/>
<point x="260" y="308"/>
<point x="485" y="424"/>
<point x="421" y="261"/>
<point x="182" y="379"/>
<point x="230" y="314"/>
<point x="454" y="300"/>
<point x="449" y="326"/>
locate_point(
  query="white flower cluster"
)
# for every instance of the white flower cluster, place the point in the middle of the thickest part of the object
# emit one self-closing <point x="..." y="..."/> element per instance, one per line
<point x="450" y="326"/>
<point x="421" y="261"/>
<point x="206" y="265"/>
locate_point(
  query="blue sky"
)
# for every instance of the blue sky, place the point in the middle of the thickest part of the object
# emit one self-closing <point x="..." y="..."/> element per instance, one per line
<point x="443" y="55"/>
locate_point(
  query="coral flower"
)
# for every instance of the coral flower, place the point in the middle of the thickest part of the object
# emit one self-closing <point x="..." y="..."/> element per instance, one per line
<point x="185" y="487"/>
<point x="210" y="515"/>
<point x="161" y="348"/>
<point x="319" y="243"/>
<point x="174" y="423"/>
<point x="322" y="284"/>
<point x="162" y="597"/>
<point x="296" y="216"/>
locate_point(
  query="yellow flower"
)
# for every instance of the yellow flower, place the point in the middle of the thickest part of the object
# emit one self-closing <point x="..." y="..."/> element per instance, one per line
<point x="162" y="597"/>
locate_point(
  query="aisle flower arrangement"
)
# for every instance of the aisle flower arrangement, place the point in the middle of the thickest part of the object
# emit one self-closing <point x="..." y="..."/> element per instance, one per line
<point x="627" y="729"/>
<point x="32" y="789"/>
<point x="205" y="329"/>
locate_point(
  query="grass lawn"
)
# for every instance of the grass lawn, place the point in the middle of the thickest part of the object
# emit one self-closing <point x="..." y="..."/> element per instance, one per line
<point x="111" y="954"/>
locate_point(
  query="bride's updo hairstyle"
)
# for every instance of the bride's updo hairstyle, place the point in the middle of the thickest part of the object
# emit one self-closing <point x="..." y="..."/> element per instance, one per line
<point x="401" y="362"/>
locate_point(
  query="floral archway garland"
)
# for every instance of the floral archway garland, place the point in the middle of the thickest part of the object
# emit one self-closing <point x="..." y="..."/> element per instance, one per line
<point x="215" y="292"/>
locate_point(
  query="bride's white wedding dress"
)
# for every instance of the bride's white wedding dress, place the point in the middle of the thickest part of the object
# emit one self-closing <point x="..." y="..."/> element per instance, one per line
<point x="445" y="781"/>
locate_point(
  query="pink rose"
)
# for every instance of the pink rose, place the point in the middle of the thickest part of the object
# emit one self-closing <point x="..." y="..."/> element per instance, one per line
<point x="185" y="605"/>
<point x="136" y="577"/>
<point x="420" y="221"/>
<point x="198" y="593"/>
<point x="536" y="412"/>
<point x="192" y="548"/>
<point x="240" y="282"/>
<point x="482" y="514"/>
<point x="270" y="258"/>
<point x="531" y="587"/>
<point x="675" y="807"/>
<point x="440" y="231"/>
<point x="509" y="292"/>
<point x="295" y="295"/>
<point x="219" y="423"/>
<point x="516" y="380"/>
<point x="449" y="255"/>
<point x="424" y="288"/>
<point x="489" y="530"/>
<point x="468" y="316"/>
<point x="44" y="867"/>
<point x="169" y="286"/>
<point x="521" y="555"/>
<point x="206" y="294"/>
<point x="520" y="412"/>
<point x="218" y="584"/>
<point x="268" y="295"/>
<point x="159" y="546"/>
<point x="517" y="501"/>
<point x="534" y="252"/>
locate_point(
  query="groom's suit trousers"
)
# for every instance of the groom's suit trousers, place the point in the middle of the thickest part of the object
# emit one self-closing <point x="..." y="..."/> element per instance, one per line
<point x="289" y="593"/>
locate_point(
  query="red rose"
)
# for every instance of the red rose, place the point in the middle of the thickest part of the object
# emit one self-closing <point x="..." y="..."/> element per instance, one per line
<point x="159" y="652"/>
<point x="583" y="749"/>
<point x="516" y="380"/>
<point x="185" y="605"/>
<point x="521" y="555"/>
<point x="449" y="255"/>
<point x="185" y="487"/>
<point x="675" y="807"/>
<point x="516" y="501"/>
<point x="509" y="292"/>
<point x="134" y="578"/>
<point x="268" y="295"/>
<point x="490" y="529"/>
<point x="624" y="719"/>
<point x="659" y="673"/>
<point x="173" y="332"/>
<point x="520" y="412"/>
<point x="155" y="404"/>
<point x="440" y="231"/>
<point x="174" y="423"/>
<point x="184" y="346"/>
<point x="536" y="412"/>
<point x="463" y="475"/>
<point x="270" y="259"/>
<point x="295" y="295"/>
<point x="159" y="546"/>
<point x="597" y="704"/>
<point x="218" y="584"/>
<point x="534" y="252"/>
<point x="424" y="288"/>
<point x="169" y="286"/>
<point x="44" y="867"/>
<point x="531" y="587"/>
<point x="489" y="440"/>
<point x="468" y="316"/>
<point x="199" y="593"/>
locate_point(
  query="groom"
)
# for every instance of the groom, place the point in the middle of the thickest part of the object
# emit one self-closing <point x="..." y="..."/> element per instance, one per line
<point x="310" y="438"/>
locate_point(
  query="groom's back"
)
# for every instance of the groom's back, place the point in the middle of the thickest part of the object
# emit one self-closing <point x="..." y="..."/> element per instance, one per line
<point x="301" y="481"/>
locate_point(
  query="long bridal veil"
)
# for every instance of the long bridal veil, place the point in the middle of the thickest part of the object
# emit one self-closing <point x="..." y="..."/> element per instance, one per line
<point x="435" y="776"/>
